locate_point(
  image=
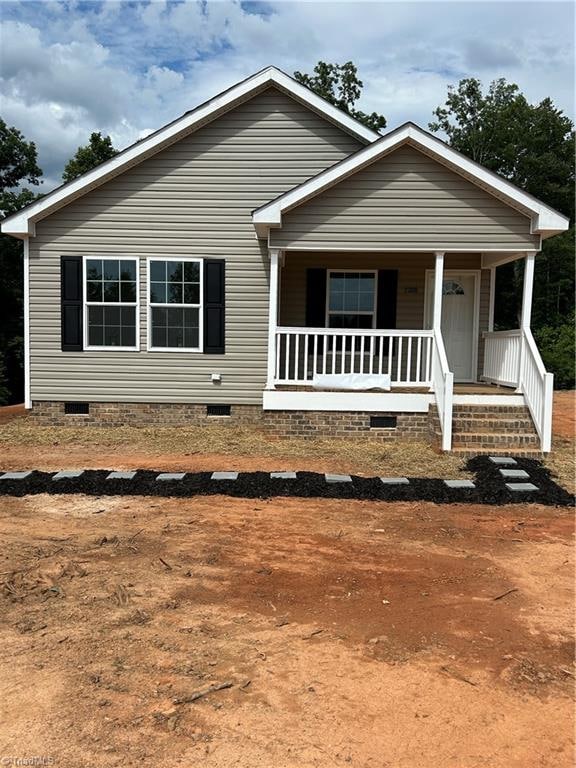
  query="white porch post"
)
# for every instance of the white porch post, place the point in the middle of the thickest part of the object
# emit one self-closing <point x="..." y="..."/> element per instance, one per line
<point x="438" y="280"/>
<point x="275" y="264"/>
<point x="492" y="299"/>
<point x="527" y="290"/>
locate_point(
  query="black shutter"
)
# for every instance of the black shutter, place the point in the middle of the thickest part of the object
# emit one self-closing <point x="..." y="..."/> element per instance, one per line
<point x="387" y="298"/>
<point x="71" y="303"/>
<point x="214" y="306"/>
<point x="315" y="298"/>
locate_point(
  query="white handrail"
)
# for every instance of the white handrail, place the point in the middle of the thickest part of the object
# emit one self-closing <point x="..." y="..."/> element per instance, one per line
<point x="354" y="331"/>
<point x="443" y="384"/>
<point x="537" y="386"/>
<point x="511" y="358"/>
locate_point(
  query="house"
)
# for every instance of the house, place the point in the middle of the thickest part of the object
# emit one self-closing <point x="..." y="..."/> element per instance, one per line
<point x="268" y="258"/>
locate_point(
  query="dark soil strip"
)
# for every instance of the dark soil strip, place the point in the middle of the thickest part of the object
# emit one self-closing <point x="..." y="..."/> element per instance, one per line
<point x="490" y="486"/>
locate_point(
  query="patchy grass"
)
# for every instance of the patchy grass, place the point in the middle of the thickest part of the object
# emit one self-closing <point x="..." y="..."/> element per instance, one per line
<point x="360" y="456"/>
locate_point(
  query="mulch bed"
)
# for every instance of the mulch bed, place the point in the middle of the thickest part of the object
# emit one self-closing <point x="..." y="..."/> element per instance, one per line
<point x="490" y="486"/>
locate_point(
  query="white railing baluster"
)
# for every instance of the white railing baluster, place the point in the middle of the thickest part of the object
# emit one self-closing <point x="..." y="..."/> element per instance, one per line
<point x="297" y="357"/>
<point x="306" y="357"/>
<point x="409" y="360"/>
<point x="381" y="356"/>
<point x="418" y="358"/>
<point x="371" y="371"/>
<point x="315" y="360"/>
<point x="362" y="353"/>
<point x="399" y="365"/>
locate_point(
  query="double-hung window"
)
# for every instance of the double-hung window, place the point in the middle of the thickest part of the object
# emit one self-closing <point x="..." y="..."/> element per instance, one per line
<point x="351" y="299"/>
<point x="111" y="303"/>
<point x="175" y="304"/>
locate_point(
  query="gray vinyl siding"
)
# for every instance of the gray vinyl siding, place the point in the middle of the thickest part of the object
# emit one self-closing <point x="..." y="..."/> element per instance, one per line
<point x="408" y="201"/>
<point x="411" y="284"/>
<point x="195" y="199"/>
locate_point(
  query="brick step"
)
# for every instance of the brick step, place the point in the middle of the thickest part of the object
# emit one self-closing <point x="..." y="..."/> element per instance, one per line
<point x="491" y="410"/>
<point x="491" y="438"/>
<point x="483" y="424"/>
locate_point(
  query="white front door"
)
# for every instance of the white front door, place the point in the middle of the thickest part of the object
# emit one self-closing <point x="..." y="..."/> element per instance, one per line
<point x="459" y="317"/>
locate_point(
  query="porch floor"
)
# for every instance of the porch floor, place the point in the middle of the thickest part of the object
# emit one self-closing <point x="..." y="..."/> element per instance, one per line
<point x="478" y="388"/>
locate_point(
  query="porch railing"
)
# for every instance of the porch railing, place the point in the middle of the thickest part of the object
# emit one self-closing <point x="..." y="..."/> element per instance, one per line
<point x="511" y="358"/>
<point x="303" y="353"/>
<point x="502" y="354"/>
<point x="443" y="385"/>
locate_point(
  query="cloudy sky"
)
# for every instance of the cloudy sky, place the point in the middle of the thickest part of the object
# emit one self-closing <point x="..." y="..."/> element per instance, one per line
<point x="126" y="68"/>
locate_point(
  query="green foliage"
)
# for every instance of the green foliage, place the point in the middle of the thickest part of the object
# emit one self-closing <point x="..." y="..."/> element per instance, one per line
<point x="339" y="84"/>
<point x="98" y="149"/>
<point x="18" y="165"/>
<point x="557" y="344"/>
<point x="531" y="145"/>
<point x="18" y="160"/>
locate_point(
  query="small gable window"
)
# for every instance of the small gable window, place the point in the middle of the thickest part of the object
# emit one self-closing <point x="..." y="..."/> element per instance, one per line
<point x="111" y="303"/>
<point x="175" y="304"/>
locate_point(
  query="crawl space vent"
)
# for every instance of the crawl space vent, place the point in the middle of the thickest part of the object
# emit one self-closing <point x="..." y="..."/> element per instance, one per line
<point x="70" y="408"/>
<point x="383" y="422"/>
<point x="218" y="410"/>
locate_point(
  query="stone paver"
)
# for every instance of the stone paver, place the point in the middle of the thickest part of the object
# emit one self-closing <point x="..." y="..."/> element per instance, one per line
<point x="224" y="476"/>
<point x="283" y="475"/>
<point x="459" y="483"/>
<point x="68" y="474"/>
<point x="16" y="475"/>
<point x="519" y="474"/>
<point x="120" y="475"/>
<point x="338" y="478"/>
<point x="520" y="487"/>
<point x="502" y="460"/>
<point x="171" y="476"/>
<point x="395" y="480"/>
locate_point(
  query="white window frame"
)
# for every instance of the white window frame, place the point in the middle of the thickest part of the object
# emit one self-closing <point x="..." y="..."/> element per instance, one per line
<point x="199" y="306"/>
<point x="108" y="257"/>
<point x="352" y="272"/>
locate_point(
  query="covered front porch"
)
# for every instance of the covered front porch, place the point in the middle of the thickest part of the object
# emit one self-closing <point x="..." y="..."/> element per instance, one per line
<point x="398" y="332"/>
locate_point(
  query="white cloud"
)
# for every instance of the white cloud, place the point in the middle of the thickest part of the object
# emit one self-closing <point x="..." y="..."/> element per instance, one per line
<point x="125" y="69"/>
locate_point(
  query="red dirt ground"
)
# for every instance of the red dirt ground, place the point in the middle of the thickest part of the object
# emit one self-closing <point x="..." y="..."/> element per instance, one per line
<point x="352" y="633"/>
<point x="564" y="414"/>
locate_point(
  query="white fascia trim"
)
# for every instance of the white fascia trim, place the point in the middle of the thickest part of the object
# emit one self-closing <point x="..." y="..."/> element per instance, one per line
<point x="545" y="220"/>
<point x="478" y="399"/>
<point x="21" y="224"/>
<point x="27" y="390"/>
<point x="388" y="402"/>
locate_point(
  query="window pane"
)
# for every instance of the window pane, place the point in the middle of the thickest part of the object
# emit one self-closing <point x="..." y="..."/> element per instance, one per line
<point x="175" y="316"/>
<point x="175" y="337"/>
<point x="127" y="291"/>
<point x="159" y="317"/>
<point x="96" y="315"/>
<point x="336" y="301"/>
<point x="111" y="291"/>
<point x="350" y="321"/>
<point x="128" y="269"/>
<point x="158" y="271"/>
<point x="128" y="316"/>
<point x="95" y="335"/>
<point x="111" y="315"/>
<point x="111" y="270"/>
<point x="191" y="293"/>
<point x="175" y="293"/>
<point x="158" y="337"/>
<point x="93" y="269"/>
<point x="128" y="335"/>
<point x="174" y="271"/>
<point x="112" y="336"/>
<point x="191" y="271"/>
<point x="191" y="337"/>
<point x="366" y="302"/>
<point x="158" y="293"/>
<point x="93" y="291"/>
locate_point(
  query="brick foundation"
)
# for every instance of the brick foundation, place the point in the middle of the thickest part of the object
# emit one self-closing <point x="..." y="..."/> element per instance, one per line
<point x="335" y="424"/>
<point x="476" y="429"/>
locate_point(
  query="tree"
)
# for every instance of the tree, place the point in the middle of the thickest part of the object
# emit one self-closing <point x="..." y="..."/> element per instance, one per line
<point x="339" y="84"/>
<point x="531" y="145"/>
<point x="98" y="149"/>
<point x="18" y="166"/>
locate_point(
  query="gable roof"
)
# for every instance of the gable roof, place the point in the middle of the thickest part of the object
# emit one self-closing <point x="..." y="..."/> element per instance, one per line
<point x="21" y="224"/>
<point x="545" y="220"/>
